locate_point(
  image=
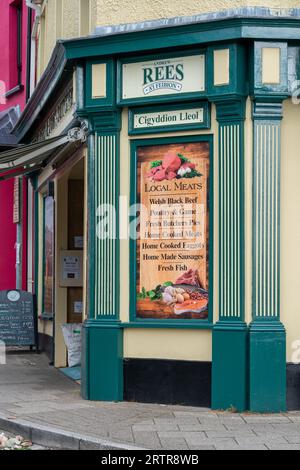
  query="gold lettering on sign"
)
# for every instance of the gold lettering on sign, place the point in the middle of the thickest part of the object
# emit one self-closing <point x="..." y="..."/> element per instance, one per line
<point x="16" y="205"/>
<point x="55" y="118"/>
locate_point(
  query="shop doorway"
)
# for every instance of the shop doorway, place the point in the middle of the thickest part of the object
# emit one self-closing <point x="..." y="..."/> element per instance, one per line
<point x="75" y="237"/>
<point x="70" y="254"/>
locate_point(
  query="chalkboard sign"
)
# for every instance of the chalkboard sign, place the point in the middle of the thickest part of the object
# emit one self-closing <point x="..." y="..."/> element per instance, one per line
<point x="18" y="326"/>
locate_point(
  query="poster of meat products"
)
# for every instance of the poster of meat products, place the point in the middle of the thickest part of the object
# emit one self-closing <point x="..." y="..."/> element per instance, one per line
<point x="172" y="249"/>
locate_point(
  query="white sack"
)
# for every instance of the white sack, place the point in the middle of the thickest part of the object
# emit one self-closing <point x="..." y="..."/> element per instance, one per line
<point x="72" y="337"/>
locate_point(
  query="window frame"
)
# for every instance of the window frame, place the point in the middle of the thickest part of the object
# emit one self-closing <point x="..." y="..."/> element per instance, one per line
<point x="48" y="315"/>
<point x="134" y="321"/>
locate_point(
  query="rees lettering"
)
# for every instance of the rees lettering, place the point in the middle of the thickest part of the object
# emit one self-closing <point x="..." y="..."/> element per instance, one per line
<point x="167" y="72"/>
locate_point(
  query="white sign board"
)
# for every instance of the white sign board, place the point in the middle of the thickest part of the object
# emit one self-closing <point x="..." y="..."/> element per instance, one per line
<point x="71" y="268"/>
<point x="176" y="75"/>
<point x="78" y="307"/>
<point x="78" y="242"/>
<point x="168" y="118"/>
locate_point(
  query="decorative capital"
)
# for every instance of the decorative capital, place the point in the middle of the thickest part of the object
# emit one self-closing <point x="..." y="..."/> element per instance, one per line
<point x="230" y="109"/>
<point x="106" y="121"/>
<point x="267" y="108"/>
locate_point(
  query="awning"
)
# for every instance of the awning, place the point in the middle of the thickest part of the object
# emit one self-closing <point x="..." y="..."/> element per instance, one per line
<point x="27" y="158"/>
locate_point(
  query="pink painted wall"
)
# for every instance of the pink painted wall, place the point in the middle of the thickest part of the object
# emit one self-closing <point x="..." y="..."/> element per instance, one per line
<point x="7" y="237"/>
<point x="8" y="51"/>
<point x="9" y="80"/>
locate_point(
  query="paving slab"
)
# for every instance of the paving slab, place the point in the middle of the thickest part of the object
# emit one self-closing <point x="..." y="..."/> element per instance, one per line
<point x="40" y="403"/>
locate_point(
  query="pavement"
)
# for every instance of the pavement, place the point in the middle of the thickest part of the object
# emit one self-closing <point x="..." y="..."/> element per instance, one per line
<point x="40" y="403"/>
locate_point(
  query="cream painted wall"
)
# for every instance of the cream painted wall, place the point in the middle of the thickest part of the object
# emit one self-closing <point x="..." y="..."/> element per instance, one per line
<point x="51" y="26"/>
<point x="62" y="19"/>
<point x="61" y="243"/>
<point x="70" y="18"/>
<point x="188" y="345"/>
<point x="127" y="11"/>
<point x="290" y="225"/>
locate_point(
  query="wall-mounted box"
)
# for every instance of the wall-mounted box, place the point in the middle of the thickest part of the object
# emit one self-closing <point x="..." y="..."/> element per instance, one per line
<point x="71" y="268"/>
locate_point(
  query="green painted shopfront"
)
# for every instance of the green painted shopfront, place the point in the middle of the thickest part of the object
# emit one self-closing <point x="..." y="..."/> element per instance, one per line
<point x="166" y="155"/>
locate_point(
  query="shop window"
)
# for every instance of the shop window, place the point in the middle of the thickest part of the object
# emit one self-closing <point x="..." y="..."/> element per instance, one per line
<point x="172" y="276"/>
<point x="48" y="257"/>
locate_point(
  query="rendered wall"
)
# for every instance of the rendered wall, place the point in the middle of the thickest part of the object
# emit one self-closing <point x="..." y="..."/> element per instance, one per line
<point x="61" y="19"/>
<point x="126" y="11"/>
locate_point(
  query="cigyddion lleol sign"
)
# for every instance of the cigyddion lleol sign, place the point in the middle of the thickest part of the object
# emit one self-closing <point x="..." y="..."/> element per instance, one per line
<point x="166" y="118"/>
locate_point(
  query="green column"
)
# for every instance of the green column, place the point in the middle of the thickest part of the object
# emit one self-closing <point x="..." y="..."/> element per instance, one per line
<point x="229" y="355"/>
<point x="102" y="369"/>
<point x="267" y="334"/>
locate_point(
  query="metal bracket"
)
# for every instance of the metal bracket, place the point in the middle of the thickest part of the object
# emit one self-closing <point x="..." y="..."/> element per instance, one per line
<point x="78" y="133"/>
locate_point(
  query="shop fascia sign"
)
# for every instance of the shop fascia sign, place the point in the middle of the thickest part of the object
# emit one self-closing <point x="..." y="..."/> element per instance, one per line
<point x="16" y="205"/>
<point x="62" y="113"/>
<point x="163" y="118"/>
<point x="163" y="77"/>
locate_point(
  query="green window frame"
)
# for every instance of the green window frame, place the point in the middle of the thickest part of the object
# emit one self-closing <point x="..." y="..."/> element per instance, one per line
<point x="136" y="322"/>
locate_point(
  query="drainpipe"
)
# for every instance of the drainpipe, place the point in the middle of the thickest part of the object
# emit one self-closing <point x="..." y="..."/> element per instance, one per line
<point x="38" y="11"/>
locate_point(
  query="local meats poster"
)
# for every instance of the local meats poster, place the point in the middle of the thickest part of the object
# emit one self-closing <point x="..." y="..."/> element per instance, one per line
<point x="172" y="249"/>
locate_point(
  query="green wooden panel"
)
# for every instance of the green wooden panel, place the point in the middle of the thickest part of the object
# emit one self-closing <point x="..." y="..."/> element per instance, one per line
<point x="110" y="98"/>
<point x="102" y="356"/>
<point x="106" y="248"/>
<point x="267" y="385"/>
<point x="260" y="88"/>
<point x="85" y="370"/>
<point x="230" y="333"/>
<point x="103" y="362"/>
<point x="266" y="219"/>
<point x="91" y="239"/>
<point x="230" y="114"/>
<point x="230" y="367"/>
<point x="237" y="71"/>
